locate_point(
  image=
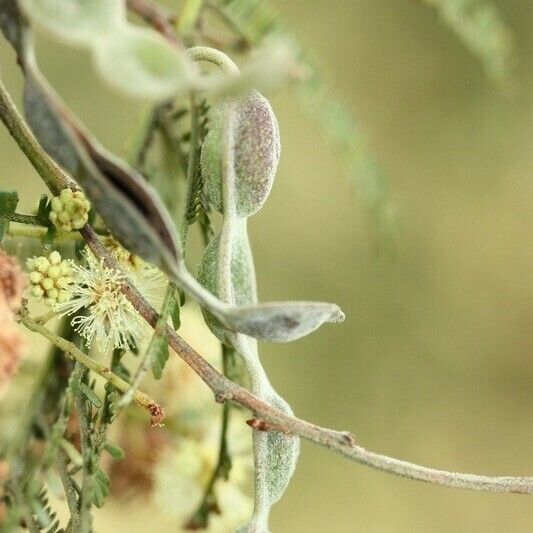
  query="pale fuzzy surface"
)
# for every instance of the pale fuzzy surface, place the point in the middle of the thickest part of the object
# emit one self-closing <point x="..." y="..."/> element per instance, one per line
<point x="257" y="152"/>
<point x="228" y="268"/>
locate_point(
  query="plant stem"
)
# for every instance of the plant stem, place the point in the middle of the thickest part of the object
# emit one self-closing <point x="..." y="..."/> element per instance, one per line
<point x="22" y="218"/>
<point x="76" y="354"/>
<point x="54" y="178"/>
<point x="200" y="518"/>
<point x="189" y="16"/>
<point x="159" y="331"/>
<point x="153" y="14"/>
<point x="224" y="389"/>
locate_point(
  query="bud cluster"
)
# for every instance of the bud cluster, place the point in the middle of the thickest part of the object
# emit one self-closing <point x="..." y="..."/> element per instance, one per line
<point x="50" y="277"/>
<point x="70" y="210"/>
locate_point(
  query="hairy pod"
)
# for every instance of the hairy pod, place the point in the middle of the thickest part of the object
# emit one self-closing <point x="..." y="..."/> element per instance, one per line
<point x="257" y="151"/>
<point x="282" y="455"/>
<point x="242" y="278"/>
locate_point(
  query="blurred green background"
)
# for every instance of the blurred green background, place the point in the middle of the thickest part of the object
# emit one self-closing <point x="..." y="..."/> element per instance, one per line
<point x="433" y="363"/>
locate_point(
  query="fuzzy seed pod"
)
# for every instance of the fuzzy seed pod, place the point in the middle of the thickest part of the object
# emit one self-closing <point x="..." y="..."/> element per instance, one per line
<point x="257" y="150"/>
<point x="243" y="278"/>
<point x="50" y="277"/>
<point x="70" y="210"/>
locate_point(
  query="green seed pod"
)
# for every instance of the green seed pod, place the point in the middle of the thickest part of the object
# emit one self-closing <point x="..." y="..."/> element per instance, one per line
<point x="242" y="282"/>
<point x="257" y="150"/>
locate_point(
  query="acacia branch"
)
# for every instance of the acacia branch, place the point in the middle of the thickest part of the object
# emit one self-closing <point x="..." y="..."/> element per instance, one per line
<point x="72" y="351"/>
<point x="226" y="390"/>
<point x="162" y="20"/>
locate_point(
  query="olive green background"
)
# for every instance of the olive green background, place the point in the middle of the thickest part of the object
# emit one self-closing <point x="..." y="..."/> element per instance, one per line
<point x="434" y="361"/>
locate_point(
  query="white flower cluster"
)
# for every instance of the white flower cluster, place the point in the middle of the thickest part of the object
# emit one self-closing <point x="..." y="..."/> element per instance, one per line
<point x="110" y="320"/>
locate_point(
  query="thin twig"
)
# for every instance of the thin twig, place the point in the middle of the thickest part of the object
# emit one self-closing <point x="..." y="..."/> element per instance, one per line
<point x="200" y="518"/>
<point x="158" y="335"/>
<point x="75" y="353"/>
<point x="223" y="388"/>
<point x="161" y="19"/>
<point x="71" y="494"/>
<point x="22" y="218"/>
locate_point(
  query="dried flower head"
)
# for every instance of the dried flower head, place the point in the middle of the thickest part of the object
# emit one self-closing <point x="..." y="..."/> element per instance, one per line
<point x="70" y="210"/>
<point x="50" y="278"/>
<point x="12" y="281"/>
<point x="11" y="347"/>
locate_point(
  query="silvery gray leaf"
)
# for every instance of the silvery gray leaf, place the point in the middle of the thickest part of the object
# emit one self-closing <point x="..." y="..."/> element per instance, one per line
<point x="11" y="24"/>
<point x="283" y="321"/>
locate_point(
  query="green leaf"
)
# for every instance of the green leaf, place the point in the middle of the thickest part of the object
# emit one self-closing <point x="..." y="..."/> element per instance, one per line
<point x="140" y="63"/>
<point x="73" y="454"/>
<point x="482" y="29"/>
<point x="43" y="210"/>
<point x="175" y="314"/>
<point x="100" y="487"/>
<point x="135" y="60"/>
<point x="158" y="353"/>
<point x="114" y="451"/>
<point x="75" y="21"/>
<point x="90" y="395"/>
<point x="8" y="202"/>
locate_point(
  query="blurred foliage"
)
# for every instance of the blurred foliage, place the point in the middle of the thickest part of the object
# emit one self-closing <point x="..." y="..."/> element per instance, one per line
<point x="434" y="363"/>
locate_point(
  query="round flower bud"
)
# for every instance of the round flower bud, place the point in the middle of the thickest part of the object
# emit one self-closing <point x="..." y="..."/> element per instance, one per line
<point x="50" y="277"/>
<point x="257" y="150"/>
<point x="70" y="210"/>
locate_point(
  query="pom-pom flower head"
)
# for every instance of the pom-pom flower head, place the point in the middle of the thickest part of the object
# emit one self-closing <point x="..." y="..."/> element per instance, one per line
<point x="110" y="320"/>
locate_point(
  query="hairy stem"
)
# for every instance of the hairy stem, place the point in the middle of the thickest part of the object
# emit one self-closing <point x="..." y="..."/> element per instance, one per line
<point x="223" y="388"/>
<point x="76" y="354"/>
